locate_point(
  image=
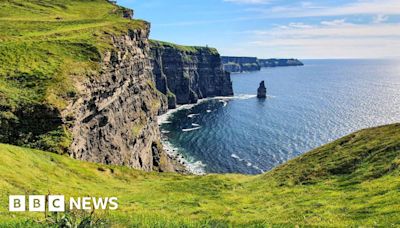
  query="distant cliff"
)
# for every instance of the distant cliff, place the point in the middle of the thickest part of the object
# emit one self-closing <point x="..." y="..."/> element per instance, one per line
<point x="240" y="64"/>
<point x="246" y="64"/>
<point x="279" y="62"/>
<point x="185" y="74"/>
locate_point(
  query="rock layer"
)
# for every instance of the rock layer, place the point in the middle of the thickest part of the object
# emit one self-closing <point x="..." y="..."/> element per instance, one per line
<point x="114" y="119"/>
<point x="186" y="74"/>
<point x="248" y="64"/>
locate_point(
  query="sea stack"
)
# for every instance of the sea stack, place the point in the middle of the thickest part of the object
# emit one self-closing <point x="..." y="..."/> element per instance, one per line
<point x="262" y="91"/>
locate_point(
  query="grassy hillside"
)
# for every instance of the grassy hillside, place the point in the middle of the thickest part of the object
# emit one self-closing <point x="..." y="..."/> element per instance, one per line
<point x="45" y="47"/>
<point x="350" y="182"/>
<point x="187" y="49"/>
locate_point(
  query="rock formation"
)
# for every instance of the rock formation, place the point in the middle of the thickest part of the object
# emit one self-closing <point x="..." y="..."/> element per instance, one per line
<point x="186" y="74"/>
<point x="262" y="90"/>
<point x="248" y="64"/>
<point x="114" y="120"/>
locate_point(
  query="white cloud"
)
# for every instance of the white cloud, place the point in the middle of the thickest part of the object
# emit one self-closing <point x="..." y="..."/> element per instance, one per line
<point x="327" y="40"/>
<point x="380" y="18"/>
<point x="299" y="25"/>
<point x="335" y="30"/>
<point x="248" y="1"/>
<point x="364" y="7"/>
<point x="334" y="22"/>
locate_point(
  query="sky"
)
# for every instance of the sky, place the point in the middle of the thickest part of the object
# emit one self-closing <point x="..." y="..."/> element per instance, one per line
<point x="306" y="29"/>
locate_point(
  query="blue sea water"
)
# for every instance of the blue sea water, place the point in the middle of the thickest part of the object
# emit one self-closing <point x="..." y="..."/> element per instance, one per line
<point x="307" y="107"/>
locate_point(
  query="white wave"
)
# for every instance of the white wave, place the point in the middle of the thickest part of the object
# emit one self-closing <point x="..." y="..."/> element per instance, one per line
<point x="249" y="164"/>
<point x="224" y="103"/>
<point x="236" y="157"/>
<point x="256" y="167"/>
<point x="194" y="167"/>
<point x="193" y="115"/>
<point x="208" y="111"/>
<point x="163" y="119"/>
<point x="165" y="131"/>
<point x="191" y="129"/>
<point x="244" y="96"/>
<point x="195" y="125"/>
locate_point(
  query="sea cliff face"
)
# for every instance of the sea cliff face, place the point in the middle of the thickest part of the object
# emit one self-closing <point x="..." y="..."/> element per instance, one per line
<point x="247" y="64"/>
<point x="279" y="62"/>
<point x="114" y="120"/>
<point x="186" y="74"/>
<point x="240" y="64"/>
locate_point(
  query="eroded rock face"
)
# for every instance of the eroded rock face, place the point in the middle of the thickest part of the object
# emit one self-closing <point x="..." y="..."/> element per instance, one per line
<point x="186" y="76"/>
<point x="262" y="90"/>
<point x="114" y="119"/>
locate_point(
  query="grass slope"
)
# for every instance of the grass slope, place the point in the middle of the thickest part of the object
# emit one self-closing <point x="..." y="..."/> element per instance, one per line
<point x="350" y="182"/>
<point x="187" y="49"/>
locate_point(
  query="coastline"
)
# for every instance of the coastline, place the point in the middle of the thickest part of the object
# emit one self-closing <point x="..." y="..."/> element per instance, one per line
<point x="191" y="167"/>
<point x="197" y="167"/>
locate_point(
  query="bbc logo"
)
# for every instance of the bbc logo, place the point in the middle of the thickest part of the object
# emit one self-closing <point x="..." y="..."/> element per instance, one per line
<point x="56" y="203"/>
<point x="37" y="203"/>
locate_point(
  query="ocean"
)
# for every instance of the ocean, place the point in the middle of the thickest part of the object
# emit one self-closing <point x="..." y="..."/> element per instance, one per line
<point x="306" y="107"/>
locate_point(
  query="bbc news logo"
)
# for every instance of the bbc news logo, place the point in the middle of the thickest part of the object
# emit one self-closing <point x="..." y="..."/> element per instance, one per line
<point x="57" y="203"/>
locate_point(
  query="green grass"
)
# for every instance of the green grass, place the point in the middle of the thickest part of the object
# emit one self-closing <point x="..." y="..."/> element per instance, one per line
<point x="353" y="181"/>
<point x="46" y="46"/>
<point x="187" y="49"/>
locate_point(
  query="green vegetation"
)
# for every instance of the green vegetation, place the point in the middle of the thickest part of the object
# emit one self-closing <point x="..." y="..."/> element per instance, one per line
<point x="187" y="49"/>
<point x="353" y="181"/>
<point x="171" y="95"/>
<point x="45" y="47"/>
<point x="136" y="129"/>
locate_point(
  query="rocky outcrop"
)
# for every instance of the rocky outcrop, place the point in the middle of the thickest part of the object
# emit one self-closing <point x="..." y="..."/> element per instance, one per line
<point x="262" y="90"/>
<point x="114" y="119"/>
<point x="248" y="64"/>
<point x="128" y="13"/>
<point x="186" y="74"/>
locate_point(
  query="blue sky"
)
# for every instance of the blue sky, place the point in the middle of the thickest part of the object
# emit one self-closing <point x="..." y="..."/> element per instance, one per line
<point x="278" y="28"/>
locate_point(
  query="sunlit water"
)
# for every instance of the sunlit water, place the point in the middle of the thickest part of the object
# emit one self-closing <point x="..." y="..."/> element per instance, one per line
<point x="307" y="106"/>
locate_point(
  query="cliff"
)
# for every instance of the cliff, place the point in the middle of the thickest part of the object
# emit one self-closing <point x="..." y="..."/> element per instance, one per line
<point x="279" y="62"/>
<point x="82" y="86"/>
<point x="185" y="74"/>
<point x="247" y="64"/>
<point x="114" y="119"/>
<point x="240" y="64"/>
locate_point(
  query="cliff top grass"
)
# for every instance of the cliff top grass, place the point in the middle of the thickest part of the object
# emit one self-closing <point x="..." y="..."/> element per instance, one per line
<point x="47" y="44"/>
<point x="353" y="181"/>
<point x="187" y="49"/>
